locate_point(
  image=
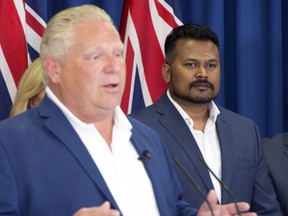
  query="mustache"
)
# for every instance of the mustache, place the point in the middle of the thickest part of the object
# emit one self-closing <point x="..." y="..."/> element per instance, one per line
<point x="201" y="82"/>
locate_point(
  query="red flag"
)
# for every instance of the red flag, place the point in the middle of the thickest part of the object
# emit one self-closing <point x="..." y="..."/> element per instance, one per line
<point x="21" y="29"/>
<point x="144" y="27"/>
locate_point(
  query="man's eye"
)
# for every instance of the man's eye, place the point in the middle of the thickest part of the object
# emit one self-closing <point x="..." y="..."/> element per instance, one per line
<point x="190" y="64"/>
<point x="94" y="57"/>
<point x="119" y="54"/>
<point x="211" y="65"/>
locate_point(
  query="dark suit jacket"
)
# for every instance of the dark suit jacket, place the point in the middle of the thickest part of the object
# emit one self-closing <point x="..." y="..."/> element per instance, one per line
<point x="243" y="167"/>
<point x="46" y="170"/>
<point x="276" y="155"/>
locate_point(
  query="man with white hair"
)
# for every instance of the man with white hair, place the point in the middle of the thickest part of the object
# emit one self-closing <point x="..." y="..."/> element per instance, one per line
<point x="77" y="153"/>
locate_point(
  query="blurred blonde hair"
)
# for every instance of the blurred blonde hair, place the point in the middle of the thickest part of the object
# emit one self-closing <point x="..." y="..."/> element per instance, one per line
<point x="30" y="85"/>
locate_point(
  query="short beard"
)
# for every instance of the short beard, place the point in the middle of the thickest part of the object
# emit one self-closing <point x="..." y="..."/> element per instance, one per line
<point x="195" y="100"/>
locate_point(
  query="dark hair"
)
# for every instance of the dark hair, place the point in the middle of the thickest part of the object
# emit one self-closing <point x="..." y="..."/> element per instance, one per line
<point x="188" y="31"/>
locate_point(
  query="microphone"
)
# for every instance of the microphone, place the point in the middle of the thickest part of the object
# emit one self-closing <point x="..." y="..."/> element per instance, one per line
<point x="145" y="156"/>
<point x="225" y="187"/>
<point x="195" y="185"/>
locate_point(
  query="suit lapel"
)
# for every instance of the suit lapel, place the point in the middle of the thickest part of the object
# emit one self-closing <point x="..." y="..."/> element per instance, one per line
<point x="60" y="127"/>
<point x="183" y="137"/>
<point x="152" y="167"/>
<point x="227" y="154"/>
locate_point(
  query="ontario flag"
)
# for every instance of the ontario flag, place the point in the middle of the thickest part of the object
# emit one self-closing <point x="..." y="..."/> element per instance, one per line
<point x="21" y="27"/>
<point x="143" y="29"/>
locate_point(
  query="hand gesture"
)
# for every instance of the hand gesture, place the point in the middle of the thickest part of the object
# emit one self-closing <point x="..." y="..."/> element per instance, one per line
<point x="103" y="210"/>
<point x="223" y="210"/>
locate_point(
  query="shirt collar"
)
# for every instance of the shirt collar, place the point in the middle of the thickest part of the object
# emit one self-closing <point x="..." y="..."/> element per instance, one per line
<point x="213" y="110"/>
<point x="120" y="118"/>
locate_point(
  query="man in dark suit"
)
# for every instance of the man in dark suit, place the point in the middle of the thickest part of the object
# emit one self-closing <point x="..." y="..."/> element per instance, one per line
<point x="276" y="156"/>
<point x="77" y="152"/>
<point x="193" y="126"/>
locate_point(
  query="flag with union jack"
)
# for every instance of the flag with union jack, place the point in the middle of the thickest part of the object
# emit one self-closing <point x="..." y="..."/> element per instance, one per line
<point x="21" y="27"/>
<point x="143" y="29"/>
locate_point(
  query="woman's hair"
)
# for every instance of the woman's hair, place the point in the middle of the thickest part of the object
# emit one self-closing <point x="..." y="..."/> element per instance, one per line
<point x="30" y="85"/>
